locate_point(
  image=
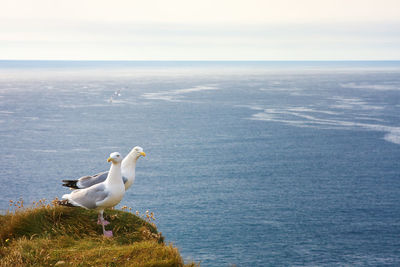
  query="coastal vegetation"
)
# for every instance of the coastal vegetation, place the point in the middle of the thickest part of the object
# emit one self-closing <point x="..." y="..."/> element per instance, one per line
<point x="47" y="234"/>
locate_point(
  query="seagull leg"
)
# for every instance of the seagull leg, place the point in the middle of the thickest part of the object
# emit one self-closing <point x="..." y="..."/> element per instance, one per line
<point x="101" y="220"/>
<point x="104" y="222"/>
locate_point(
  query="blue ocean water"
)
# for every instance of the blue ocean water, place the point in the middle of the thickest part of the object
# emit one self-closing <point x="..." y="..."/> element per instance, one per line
<point x="248" y="163"/>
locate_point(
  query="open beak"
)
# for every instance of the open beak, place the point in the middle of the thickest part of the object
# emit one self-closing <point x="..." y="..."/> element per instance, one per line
<point x="143" y="154"/>
<point x="109" y="159"/>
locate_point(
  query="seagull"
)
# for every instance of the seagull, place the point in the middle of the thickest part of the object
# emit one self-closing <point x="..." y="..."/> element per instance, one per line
<point x="128" y="172"/>
<point x="102" y="195"/>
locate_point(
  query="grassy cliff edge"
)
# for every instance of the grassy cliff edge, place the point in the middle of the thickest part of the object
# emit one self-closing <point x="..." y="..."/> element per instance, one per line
<point x="52" y="235"/>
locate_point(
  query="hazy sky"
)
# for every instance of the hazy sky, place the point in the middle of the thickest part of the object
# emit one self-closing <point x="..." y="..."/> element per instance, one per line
<point x="200" y="30"/>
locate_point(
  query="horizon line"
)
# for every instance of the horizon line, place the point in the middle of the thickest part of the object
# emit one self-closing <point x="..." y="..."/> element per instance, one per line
<point x="208" y="60"/>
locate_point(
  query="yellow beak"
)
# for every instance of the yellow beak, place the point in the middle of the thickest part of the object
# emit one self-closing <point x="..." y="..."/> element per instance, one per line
<point x="109" y="159"/>
<point x="143" y="154"/>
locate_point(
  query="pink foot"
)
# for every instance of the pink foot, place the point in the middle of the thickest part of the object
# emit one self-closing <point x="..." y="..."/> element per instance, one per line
<point x="108" y="233"/>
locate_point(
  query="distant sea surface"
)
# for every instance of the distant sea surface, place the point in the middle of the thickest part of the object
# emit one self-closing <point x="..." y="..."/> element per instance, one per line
<point x="248" y="163"/>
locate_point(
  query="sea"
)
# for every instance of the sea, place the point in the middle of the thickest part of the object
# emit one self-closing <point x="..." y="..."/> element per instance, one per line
<point x="262" y="163"/>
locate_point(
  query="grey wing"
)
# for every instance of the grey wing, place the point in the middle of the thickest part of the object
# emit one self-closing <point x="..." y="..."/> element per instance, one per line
<point x="88" y="197"/>
<point x="88" y="181"/>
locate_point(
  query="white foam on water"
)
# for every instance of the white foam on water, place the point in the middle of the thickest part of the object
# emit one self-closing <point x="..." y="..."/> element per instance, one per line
<point x="33" y="118"/>
<point x="252" y="107"/>
<point x="380" y="87"/>
<point x="54" y="120"/>
<point x="45" y="150"/>
<point x="73" y="106"/>
<point x="393" y="135"/>
<point x="281" y="89"/>
<point x="353" y="103"/>
<point x="306" y="109"/>
<point x="303" y="118"/>
<point x="160" y="96"/>
<point x="81" y="149"/>
<point x="177" y="95"/>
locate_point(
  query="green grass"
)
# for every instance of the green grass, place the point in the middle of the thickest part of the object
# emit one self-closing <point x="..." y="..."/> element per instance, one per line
<point x="48" y="235"/>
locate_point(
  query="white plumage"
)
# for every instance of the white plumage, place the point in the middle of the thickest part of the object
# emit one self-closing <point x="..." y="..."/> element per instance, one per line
<point x="102" y="195"/>
<point x="128" y="168"/>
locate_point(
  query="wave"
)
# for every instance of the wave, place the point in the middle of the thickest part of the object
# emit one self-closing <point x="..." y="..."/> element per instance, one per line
<point x="177" y="95"/>
<point x="393" y="137"/>
<point x="380" y="87"/>
<point x="352" y="103"/>
<point x="44" y="150"/>
<point x="301" y="117"/>
<point x="77" y="106"/>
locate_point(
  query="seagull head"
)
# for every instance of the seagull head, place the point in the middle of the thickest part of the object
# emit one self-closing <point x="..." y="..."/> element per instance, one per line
<point x="137" y="151"/>
<point x="115" y="158"/>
